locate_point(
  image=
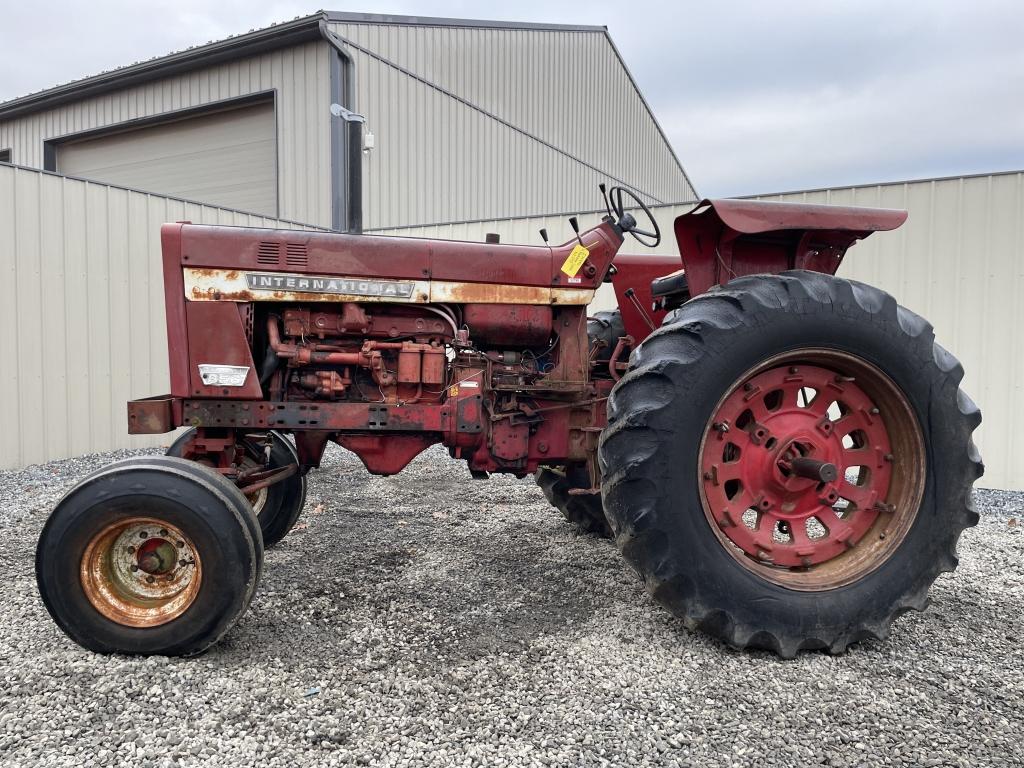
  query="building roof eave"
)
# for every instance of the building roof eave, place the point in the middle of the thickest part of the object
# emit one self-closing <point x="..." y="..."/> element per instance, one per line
<point x="341" y="17"/>
<point x="282" y="35"/>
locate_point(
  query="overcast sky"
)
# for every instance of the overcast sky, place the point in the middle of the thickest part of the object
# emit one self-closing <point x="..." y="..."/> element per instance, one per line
<point x="754" y="96"/>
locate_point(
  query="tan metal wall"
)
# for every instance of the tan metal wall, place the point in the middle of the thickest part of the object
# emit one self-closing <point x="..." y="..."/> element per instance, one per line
<point x="958" y="261"/>
<point x="442" y="156"/>
<point x="298" y="76"/>
<point x="82" y="310"/>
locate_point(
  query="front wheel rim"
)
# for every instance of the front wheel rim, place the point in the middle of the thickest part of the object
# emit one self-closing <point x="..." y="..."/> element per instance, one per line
<point x="812" y="469"/>
<point x="141" y="572"/>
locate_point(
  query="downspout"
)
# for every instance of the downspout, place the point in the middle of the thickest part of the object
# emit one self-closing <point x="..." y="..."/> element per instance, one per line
<point x="346" y="141"/>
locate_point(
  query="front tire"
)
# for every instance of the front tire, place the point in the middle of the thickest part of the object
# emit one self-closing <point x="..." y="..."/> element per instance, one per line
<point x="716" y="471"/>
<point x="149" y="556"/>
<point x="278" y="507"/>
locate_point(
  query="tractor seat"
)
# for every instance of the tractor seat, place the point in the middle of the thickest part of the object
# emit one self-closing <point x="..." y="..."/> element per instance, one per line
<point x="670" y="284"/>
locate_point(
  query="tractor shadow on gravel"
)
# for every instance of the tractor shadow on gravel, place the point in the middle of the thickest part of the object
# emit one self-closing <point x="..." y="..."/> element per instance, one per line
<point x="485" y="574"/>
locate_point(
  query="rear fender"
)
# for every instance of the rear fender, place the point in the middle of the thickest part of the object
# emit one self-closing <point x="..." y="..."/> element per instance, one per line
<point x="723" y="239"/>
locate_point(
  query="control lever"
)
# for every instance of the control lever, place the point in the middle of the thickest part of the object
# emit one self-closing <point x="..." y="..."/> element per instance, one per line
<point x="604" y="194"/>
<point x="544" y="235"/>
<point x="631" y="295"/>
<point x="574" y="223"/>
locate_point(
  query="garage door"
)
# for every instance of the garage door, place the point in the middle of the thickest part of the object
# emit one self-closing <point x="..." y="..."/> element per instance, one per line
<point x="225" y="158"/>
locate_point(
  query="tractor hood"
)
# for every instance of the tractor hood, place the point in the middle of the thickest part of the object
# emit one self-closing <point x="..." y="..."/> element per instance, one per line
<point x="722" y="239"/>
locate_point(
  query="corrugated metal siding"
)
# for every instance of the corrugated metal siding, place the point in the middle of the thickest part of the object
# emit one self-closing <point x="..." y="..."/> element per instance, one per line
<point x="438" y="159"/>
<point x="958" y="261"/>
<point x="82" y="310"/>
<point x="300" y="78"/>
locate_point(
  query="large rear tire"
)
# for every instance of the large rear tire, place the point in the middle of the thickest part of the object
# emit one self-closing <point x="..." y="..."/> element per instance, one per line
<point x="153" y="555"/>
<point x="788" y="462"/>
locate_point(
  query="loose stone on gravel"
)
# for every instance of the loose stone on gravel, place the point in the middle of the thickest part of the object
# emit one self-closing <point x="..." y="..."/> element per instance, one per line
<point x="444" y="621"/>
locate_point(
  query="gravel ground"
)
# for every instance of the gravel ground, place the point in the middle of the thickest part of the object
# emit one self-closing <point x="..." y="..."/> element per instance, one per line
<point x="428" y="619"/>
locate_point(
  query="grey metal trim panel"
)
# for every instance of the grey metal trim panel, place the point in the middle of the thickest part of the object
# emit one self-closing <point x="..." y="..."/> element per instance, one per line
<point x="342" y="91"/>
<point x="263" y="40"/>
<point x="169" y="116"/>
<point x="440" y="21"/>
<point x="338" y="185"/>
<point x="5" y="156"/>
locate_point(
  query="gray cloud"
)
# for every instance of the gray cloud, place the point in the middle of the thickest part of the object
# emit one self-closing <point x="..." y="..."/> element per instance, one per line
<point x="754" y="96"/>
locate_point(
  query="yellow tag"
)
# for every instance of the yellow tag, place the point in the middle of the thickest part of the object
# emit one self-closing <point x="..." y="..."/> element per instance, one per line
<point x="453" y="390"/>
<point x="575" y="261"/>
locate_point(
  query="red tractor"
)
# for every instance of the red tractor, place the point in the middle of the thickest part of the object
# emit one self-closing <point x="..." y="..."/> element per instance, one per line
<point x="784" y="456"/>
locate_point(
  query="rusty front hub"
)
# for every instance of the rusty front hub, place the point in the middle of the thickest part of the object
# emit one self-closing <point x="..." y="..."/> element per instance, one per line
<point x="141" y="572"/>
<point x="812" y="469"/>
<point x="257" y="500"/>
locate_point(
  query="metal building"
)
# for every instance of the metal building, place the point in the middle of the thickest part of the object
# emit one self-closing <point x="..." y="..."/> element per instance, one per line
<point x="470" y="120"/>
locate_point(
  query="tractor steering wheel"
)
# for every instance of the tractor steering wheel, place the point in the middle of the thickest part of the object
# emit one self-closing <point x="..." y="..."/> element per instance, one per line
<point x="626" y="221"/>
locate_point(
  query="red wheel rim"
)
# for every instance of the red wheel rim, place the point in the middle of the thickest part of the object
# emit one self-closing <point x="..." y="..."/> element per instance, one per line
<point x="812" y="469"/>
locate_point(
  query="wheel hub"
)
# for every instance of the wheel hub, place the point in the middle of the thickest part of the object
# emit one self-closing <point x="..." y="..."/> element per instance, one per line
<point x="797" y="465"/>
<point x="141" y="572"/>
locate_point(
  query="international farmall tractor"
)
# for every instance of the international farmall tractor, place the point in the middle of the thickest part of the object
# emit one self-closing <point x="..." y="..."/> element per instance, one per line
<point x="784" y="456"/>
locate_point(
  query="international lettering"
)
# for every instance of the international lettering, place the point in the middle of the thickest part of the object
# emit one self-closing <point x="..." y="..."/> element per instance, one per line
<point x="260" y="281"/>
